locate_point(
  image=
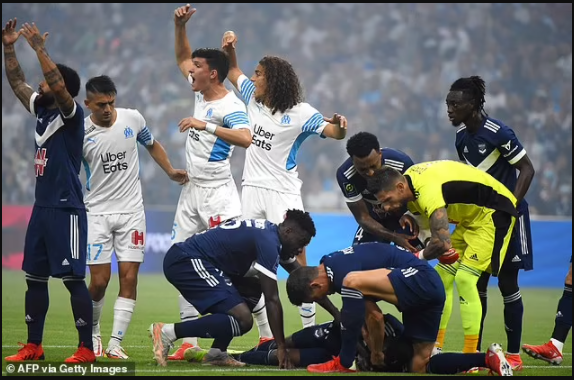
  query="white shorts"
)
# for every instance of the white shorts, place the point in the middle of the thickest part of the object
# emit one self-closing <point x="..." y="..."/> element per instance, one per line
<point x="260" y="203"/>
<point x="122" y="233"/>
<point x="201" y="208"/>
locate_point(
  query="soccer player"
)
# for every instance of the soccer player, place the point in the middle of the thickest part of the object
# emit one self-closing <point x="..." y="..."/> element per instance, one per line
<point x="377" y="272"/>
<point x="551" y="352"/>
<point x="219" y="123"/>
<point x="366" y="156"/>
<point x="483" y="210"/>
<point x="281" y="122"/>
<point x="55" y="242"/>
<point x="202" y="268"/>
<point x="116" y="219"/>
<point x="489" y="145"/>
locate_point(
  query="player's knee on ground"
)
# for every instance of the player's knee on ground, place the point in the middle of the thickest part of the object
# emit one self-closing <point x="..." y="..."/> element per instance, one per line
<point x="508" y="282"/>
<point x="421" y="356"/>
<point x="242" y="315"/>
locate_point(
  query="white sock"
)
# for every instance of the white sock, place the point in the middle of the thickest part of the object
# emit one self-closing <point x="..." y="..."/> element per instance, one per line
<point x="97" y="306"/>
<point x="123" y="311"/>
<point x="188" y="313"/>
<point x="260" y="313"/>
<point x="169" y="330"/>
<point x="559" y="345"/>
<point x="307" y="312"/>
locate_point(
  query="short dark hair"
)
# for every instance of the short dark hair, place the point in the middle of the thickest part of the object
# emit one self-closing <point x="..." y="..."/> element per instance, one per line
<point x="71" y="79"/>
<point x="283" y="87"/>
<point x="302" y="220"/>
<point x="362" y="144"/>
<point x="384" y="179"/>
<point x="216" y="59"/>
<point x="101" y="85"/>
<point x="475" y="88"/>
<point x="299" y="284"/>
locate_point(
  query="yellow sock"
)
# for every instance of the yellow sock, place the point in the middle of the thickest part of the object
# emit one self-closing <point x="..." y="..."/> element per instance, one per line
<point x="470" y="344"/>
<point x="440" y="338"/>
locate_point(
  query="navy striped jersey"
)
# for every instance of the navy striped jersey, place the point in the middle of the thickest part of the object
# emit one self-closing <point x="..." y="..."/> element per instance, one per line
<point x="354" y="186"/>
<point x="58" y="156"/>
<point x="238" y="248"/>
<point x="364" y="257"/>
<point x="494" y="149"/>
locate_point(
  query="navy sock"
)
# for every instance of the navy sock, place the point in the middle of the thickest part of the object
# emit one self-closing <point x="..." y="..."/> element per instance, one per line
<point x="563" y="316"/>
<point x="450" y="364"/>
<point x="258" y="358"/>
<point x="352" y="319"/>
<point x="36" y="307"/>
<point x="513" y="313"/>
<point x="215" y="326"/>
<point x="222" y="343"/>
<point x="82" y="309"/>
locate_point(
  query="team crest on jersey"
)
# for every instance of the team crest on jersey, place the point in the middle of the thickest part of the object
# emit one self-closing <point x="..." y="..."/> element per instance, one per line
<point x="209" y="113"/>
<point x="482" y="148"/>
<point x="285" y="120"/>
<point x="128" y="132"/>
<point x="40" y="161"/>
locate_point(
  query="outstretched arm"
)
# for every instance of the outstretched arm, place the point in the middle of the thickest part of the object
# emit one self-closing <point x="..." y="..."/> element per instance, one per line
<point x="228" y="45"/>
<point x="158" y="153"/>
<point x="440" y="241"/>
<point x="337" y="127"/>
<point x="51" y="73"/>
<point x="182" y="47"/>
<point x="14" y="72"/>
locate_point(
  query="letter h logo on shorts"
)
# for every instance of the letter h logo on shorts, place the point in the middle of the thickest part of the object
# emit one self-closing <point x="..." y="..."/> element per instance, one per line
<point x="214" y="221"/>
<point x="138" y="238"/>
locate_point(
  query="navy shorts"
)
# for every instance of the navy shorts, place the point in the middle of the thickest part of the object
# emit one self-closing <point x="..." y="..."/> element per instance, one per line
<point x="519" y="255"/>
<point x="200" y="283"/>
<point x="56" y="242"/>
<point x="421" y="297"/>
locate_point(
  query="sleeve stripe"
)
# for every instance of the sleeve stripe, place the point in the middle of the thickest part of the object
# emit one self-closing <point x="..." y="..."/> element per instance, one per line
<point x="518" y="157"/>
<point x="73" y="113"/>
<point x="261" y="269"/>
<point x="247" y="90"/>
<point x="32" y="100"/>
<point x="354" y="199"/>
<point x="313" y="123"/>
<point x="145" y="137"/>
<point x="236" y="119"/>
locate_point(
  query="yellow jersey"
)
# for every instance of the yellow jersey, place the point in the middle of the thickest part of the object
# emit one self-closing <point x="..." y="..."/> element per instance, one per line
<point x="466" y="192"/>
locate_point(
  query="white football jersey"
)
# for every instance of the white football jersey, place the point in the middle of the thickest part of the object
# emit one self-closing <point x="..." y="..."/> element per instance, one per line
<point x="207" y="155"/>
<point x="112" y="164"/>
<point x="270" y="161"/>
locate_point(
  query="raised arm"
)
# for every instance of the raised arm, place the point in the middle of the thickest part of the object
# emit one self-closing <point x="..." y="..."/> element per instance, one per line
<point x="54" y="79"/>
<point x="337" y="127"/>
<point x="14" y="72"/>
<point x="182" y="47"/>
<point x="228" y="45"/>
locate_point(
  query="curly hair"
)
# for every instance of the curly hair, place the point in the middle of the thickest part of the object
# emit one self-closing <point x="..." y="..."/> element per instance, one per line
<point x="362" y="144"/>
<point x="283" y="87"/>
<point x="303" y="220"/>
<point x="475" y="88"/>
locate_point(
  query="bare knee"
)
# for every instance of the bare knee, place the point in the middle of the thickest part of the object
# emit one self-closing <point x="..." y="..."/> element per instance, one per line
<point x="243" y="316"/>
<point x="99" y="280"/>
<point x="421" y="357"/>
<point x="352" y="280"/>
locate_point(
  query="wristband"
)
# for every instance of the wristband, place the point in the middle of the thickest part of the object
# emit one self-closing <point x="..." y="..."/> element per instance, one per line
<point x="209" y="127"/>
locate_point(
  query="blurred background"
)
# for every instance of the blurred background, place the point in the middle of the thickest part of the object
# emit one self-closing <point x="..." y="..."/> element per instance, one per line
<point x="387" y="67"/>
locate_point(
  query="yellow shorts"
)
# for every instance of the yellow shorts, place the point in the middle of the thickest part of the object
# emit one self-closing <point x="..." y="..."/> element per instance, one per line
<point x="482" y="245"/>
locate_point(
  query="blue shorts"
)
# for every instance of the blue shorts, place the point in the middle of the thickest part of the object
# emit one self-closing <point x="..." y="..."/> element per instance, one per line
<point x="56" y="242"/>
<point x="200" y="283"/>
<point x="421" y="297"/>
<point x="519" y="255"/>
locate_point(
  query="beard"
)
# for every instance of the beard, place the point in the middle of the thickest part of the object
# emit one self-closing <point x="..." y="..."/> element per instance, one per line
<point x="45" y="100"/>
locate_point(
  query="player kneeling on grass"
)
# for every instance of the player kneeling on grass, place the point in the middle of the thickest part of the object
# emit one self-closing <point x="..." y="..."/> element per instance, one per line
<point x="360" y="272"/>
<point x="202" y="269"/>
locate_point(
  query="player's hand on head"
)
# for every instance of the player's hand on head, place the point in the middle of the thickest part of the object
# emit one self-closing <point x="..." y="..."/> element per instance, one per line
<point x="229" y="40"/>
<point x="403" y="241"/>
<point x="183" y="14"/>
<point x="338" y="120"/>
<point x="33" y="36"/>
<point x="9" y="33"/>
<point x="179" y="175"/>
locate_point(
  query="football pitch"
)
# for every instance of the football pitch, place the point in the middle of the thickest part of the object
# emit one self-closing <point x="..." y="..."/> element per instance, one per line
<point x="157" y="302"/>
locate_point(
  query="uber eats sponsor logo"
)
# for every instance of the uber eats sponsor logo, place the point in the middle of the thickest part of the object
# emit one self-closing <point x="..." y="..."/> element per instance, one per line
<point x="262" y="138"/>
<point x="113" y="162"/>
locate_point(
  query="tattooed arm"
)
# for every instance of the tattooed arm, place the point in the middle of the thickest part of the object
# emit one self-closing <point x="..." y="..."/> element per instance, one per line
<point x="52" y="75"/>
<point x="440" y="235"/>
<point x="14" y="72"/>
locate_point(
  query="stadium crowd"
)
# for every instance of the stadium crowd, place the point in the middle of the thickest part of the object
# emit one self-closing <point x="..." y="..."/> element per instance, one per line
<point x="389" y="74"/>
